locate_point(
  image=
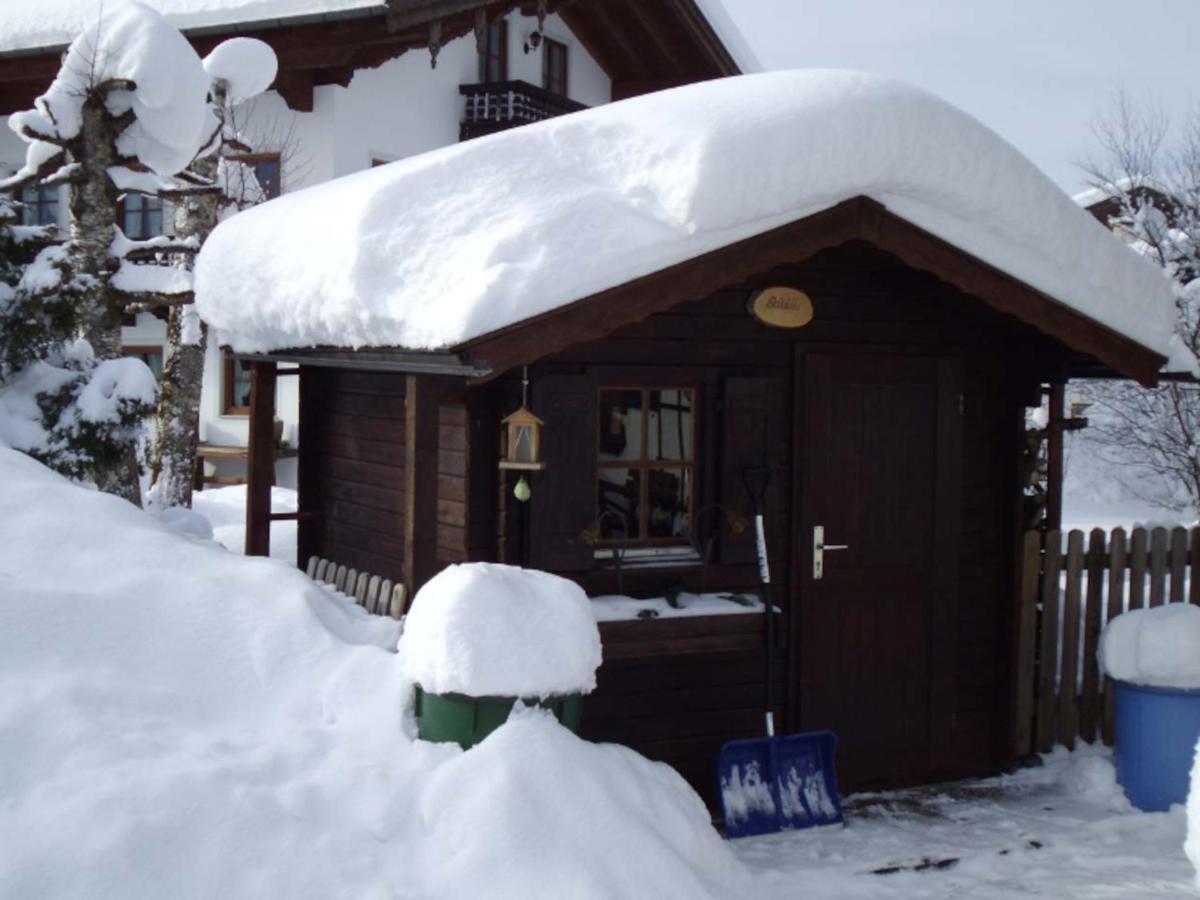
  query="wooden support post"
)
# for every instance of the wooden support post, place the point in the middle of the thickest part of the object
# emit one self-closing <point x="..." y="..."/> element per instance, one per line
<point x="421" y="400"/>
<point x="260" y="459"/>
<point x="1054" y="458"/>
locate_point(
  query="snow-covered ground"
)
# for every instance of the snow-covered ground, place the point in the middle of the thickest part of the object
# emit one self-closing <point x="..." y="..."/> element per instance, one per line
<point x="225" y="509"/>
<point x="177" y="720"/>
<point x="1061" y="831"/>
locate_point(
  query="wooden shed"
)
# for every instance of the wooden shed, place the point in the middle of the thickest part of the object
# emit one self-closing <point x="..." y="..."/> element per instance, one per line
<point x="887" y="402"/>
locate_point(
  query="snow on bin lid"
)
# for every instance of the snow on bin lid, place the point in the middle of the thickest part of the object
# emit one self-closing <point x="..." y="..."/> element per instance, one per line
<point x="1157" y="647"/>
<point x="490" y="630"/>
<point x="440" y="248"/>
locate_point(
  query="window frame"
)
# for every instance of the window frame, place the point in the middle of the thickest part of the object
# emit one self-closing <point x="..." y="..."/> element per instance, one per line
<point x="140" y="350"/>
<point x="690" y="468"/>
<point x="228" y="378"/>
<point x="144" y="199"/>
<point x="44" y="198"/>
<point x="550" y="48"/>
<point x="497" y="53"/>
<point x="253" y="159"/>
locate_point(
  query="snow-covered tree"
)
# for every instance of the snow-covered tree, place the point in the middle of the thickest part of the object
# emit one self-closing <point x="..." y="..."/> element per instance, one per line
<point x="214" y="183"/>
<point x="129" y="111"/>
<point x="1148" y="177"/>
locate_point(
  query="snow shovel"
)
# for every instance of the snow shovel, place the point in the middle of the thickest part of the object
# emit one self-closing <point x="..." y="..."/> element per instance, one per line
<point x="775" y="783"/>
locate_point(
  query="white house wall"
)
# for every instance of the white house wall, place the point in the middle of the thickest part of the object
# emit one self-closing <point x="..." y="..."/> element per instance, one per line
<point x="399" y="109"/>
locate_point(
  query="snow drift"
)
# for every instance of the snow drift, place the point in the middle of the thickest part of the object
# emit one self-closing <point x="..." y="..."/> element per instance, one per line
<point x="177" y="721"/>
<point x="440" y="248"/>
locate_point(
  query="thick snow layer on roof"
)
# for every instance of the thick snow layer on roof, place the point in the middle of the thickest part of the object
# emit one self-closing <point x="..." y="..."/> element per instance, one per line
<point x="440" y="248"/>
<point x="490" y="630"/>
<point x="49" y="23"/>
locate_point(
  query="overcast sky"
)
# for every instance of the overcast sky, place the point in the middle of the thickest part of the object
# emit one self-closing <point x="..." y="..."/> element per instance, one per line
<point x="1036" y="71"/>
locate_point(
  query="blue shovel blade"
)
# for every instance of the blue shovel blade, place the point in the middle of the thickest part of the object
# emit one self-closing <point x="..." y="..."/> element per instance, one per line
<point x="773" y="784"/>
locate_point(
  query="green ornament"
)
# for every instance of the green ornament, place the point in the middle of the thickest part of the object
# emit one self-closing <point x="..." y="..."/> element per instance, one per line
<point x="522" y="491"/>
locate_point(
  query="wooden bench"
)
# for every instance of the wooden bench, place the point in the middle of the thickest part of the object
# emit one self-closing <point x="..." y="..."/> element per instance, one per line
<point x="207" y="451"/>
<point x="378" y="596"/>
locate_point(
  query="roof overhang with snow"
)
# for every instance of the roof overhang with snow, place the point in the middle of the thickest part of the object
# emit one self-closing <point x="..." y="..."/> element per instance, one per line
<point x="641" y="46"/>
<point x="522" y="242"/>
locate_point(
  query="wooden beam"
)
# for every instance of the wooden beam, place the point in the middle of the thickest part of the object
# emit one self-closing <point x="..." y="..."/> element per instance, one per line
<point x="296" y="89"/>
<point x="1054" y="458"/>
<point x="260" y="459"/>
<point x="422" y="396"/>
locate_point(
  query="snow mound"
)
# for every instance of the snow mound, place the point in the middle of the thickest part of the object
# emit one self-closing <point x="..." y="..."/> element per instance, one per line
<point x="1192" y="845"/>
<point x="127" y="40"/>
<point x="487" y="630"/>
<point x="1158" y="647"/>
<point x="440" y="248"/>
<point x="645" y="832"/>
<point x="247" y="65"/>
<point x="178" y="721"/>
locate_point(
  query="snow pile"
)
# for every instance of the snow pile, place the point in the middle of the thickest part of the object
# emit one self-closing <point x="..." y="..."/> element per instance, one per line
<point x="1192" y="845"/>
<point x="440" y="248"/>
<point x="628" y="803"/>
<point x="247" y="66"/>
<point x="491" y="630"/>
<point x="225" y="510"/>
<point x="1158" y="646"/>
<point x="178" y="721"/>
<point x="126" y="40"/>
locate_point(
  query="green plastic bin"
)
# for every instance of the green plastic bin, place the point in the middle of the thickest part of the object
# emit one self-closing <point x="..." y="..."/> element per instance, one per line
<point x="467" y="720"/>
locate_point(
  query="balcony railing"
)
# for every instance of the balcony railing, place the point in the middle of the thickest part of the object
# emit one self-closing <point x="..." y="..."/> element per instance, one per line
<point x="498" y="105"/>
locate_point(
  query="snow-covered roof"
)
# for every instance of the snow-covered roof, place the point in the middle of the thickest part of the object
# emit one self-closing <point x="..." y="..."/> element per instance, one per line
<point x="51" y="23"/>
<point x="438" y="249"/>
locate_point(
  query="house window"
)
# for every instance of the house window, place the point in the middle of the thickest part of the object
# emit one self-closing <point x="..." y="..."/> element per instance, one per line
<point x="39" y="205"/>
<point x="268" y="171"/>
<point x="141" y="216"/>
<point x="236" y="386"/>
<point x="150" y="354"/>
<point x="493" y="53"/>
<point x="554" y="67"/>
<point x="645" y="464"/>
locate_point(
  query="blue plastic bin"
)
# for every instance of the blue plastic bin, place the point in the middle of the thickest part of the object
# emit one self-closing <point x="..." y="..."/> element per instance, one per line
<point x="1156" y="734"/>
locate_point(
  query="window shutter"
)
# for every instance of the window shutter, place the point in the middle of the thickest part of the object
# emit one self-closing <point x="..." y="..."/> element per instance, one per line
<point x="563" y="505"/>
<point x="745" y="440"/>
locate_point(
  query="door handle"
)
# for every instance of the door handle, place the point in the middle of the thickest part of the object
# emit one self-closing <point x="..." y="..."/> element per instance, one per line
<point x="819" y="547"/>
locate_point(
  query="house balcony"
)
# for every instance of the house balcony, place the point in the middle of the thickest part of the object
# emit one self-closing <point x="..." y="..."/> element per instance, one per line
<point x="498" y="105"/>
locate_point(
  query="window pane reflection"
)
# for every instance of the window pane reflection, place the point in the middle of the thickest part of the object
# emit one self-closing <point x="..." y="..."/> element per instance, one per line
<point x="669" y="425"/>
<point x="617" y="501"/>
<point x="669" y="498"/>
<point x="620" y="432"/>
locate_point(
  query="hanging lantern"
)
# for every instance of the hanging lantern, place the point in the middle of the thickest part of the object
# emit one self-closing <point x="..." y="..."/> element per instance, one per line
<point x="524" y="444"/>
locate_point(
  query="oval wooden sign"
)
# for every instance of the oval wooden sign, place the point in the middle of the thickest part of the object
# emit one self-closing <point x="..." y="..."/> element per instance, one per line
<point x="781" y="307"/>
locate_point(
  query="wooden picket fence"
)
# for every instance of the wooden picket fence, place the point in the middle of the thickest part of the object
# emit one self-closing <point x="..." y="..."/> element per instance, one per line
<point x="376" y="595"/>
<point x="1066" y="598"/>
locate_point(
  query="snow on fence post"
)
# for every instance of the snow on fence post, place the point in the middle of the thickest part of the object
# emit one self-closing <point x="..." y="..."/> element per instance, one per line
<point x="1060" y="693"/>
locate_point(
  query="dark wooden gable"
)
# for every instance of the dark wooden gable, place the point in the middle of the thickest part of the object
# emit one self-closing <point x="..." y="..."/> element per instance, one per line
<point x="859" y="218"/>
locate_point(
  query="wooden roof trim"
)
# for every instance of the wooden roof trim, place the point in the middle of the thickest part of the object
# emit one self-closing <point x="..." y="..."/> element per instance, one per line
<point x="602" y="313"/>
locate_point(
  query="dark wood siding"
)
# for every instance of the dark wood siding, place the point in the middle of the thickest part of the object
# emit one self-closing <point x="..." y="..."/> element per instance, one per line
<point x="352" y="472"/>
<point x="452" y="476"/>
<point x="862" y="297"/>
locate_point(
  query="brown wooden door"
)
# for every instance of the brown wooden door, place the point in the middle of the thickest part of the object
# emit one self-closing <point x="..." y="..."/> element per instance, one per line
<point x="879" y="469"/>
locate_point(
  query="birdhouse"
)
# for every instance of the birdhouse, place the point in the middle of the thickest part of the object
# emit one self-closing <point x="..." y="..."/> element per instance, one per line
<point x="524" y="447"/>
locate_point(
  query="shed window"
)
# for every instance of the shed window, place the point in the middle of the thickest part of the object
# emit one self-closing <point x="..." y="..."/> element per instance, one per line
<point x="645" y="464"/>
<point x="493" y="53"/>
<point x="554" y="67"/>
